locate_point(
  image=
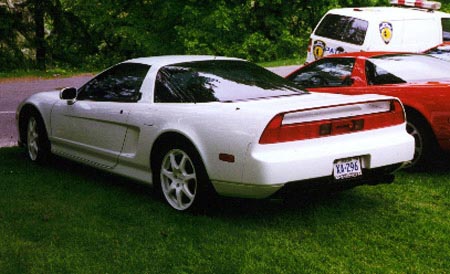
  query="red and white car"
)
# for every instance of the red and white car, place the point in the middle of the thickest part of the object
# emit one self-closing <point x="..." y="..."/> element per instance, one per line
<point x="420" y="81"/>
<point x="190" y="125"/>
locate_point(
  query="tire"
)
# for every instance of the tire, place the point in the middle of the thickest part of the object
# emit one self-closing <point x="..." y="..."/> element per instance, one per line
<point x="37" y="143"/>
<point x="181" y="177"/>
<point x="425" y="146"/>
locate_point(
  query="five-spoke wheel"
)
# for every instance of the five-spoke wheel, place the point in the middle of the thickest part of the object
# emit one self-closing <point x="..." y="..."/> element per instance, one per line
<point x="178" y="179"/>
<point x="37" y="143"/>
<point x="32" y="139"/>
<point x="181" y="176"/>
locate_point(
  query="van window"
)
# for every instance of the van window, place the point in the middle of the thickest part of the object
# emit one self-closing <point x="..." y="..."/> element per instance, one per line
<point x="446" y="29"/>
<point x="343" y="28"/>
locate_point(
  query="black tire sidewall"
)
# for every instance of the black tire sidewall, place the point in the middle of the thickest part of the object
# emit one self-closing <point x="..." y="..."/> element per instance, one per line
<point x="428" y="141"/>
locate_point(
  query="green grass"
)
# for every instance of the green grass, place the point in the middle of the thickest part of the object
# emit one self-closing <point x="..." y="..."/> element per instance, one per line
<point x="285" y="62"/>
<point x="67" y="218"/>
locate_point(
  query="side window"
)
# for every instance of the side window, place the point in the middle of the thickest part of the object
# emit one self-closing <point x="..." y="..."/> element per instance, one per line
<point x="343" y="28"/>
<point x="355" y="33"/>
<point x="334" y="72"/>
<point x="183" y="85"/>
<point x="378" y="76"/>
<point x="120" y="83"/>
<point x="446" y="29"/>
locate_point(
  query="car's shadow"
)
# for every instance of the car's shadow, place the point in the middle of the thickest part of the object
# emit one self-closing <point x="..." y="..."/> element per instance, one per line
<point x="223" y="207"/>
<point x="440" y="164"/>
<point x="443" y="164"/>
<point x="217" y="206"/>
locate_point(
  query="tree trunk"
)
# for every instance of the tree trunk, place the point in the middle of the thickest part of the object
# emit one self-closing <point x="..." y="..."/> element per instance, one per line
<point x="40" y="34"/>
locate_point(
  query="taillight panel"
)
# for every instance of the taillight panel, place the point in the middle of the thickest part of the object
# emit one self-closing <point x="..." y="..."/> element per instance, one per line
<point x="278" y="130"/>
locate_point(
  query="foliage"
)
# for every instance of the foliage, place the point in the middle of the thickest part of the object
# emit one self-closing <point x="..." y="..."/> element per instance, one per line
<point x="67" y="218"/>
<point x="92" y="34"/>
<point x="445" y="6"/>
<point x="11" y="41"/>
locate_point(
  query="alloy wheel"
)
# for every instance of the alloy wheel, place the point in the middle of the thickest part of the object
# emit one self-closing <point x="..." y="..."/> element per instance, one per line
<point x="419" y="142"/>
<point x="32" y="139"/>
<point x="178" y="179"/>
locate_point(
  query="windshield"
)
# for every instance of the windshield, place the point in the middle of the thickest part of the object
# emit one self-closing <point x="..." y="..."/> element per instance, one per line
<point x="219" y="80"/>
<point x="406" y="68"/>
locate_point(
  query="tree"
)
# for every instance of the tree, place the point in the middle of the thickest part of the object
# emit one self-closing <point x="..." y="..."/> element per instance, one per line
<point x="92" y="34"/>
<point x="38" y="7"/>
<point x="32" y="14"/>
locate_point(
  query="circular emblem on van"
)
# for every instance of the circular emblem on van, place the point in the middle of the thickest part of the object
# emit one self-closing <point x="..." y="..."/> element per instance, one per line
<point x="318" y="49"/>
<point x="386" y="32"/>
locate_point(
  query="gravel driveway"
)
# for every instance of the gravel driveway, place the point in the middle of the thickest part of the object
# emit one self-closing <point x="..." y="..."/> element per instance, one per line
<point x="13" y="91"/>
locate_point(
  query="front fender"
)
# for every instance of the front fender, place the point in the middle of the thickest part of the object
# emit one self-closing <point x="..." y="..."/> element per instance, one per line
<point x="41" y="103"/>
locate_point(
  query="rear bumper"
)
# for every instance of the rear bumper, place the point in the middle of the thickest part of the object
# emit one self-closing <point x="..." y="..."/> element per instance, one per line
<point x="377" y="176"/>
<point x="383" y="175"/>
<point x="309" y="164"/>
<point x="311" y="159"/>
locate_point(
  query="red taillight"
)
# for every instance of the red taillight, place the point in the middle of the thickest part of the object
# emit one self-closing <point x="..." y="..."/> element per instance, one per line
<point x="277" y="132"/>
<point x="272" y="132"/>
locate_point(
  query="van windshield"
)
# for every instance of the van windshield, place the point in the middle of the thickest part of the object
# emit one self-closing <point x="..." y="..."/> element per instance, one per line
<point x="406" y="68"/>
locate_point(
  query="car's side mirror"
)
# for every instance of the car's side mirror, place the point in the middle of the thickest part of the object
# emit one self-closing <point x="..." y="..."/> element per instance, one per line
<point x="68" y="94"/>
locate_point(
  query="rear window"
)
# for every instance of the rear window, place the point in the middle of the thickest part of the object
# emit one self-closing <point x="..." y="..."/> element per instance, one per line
<point x="446" y="29"/>
<point x="343" y="28"/>
<point x="219" y="80"/>
<point x="403" y="68"/>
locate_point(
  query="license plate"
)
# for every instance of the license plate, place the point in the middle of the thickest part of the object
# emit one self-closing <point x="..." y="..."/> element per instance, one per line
<point x="347" y="168"/>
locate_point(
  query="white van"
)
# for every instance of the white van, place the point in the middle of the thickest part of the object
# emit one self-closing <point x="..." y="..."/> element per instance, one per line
<point x="408" y="29"/>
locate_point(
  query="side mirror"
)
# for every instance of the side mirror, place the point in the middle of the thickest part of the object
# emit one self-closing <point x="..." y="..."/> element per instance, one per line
<point x="68" y="94"/>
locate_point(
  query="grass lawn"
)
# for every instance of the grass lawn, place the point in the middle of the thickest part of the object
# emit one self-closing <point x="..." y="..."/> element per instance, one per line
<point x="67" y="218"/>
<point x="286" y="62"/>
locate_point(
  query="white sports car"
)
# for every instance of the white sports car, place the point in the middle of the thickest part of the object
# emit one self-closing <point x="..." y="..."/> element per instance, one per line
<point x="195" y="125"/>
